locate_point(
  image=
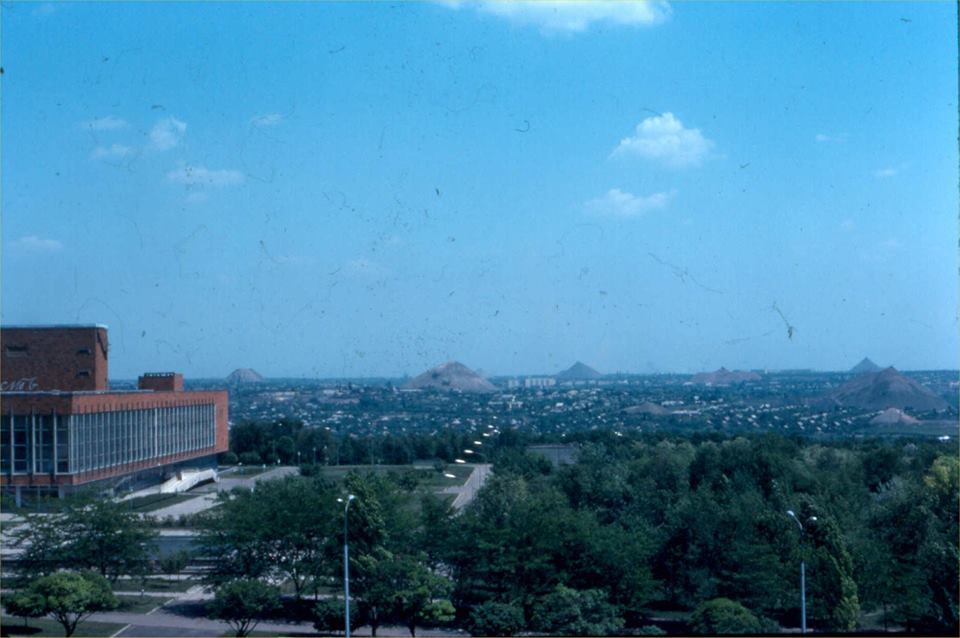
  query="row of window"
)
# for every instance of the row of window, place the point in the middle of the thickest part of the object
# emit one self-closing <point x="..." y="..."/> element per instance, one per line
<point x="22" y="351"/>
<point x="32" y="444"/>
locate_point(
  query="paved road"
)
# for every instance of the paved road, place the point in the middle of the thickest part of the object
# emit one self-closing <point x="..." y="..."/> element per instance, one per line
<point x="468" y="491"/>
<point x="183" y="619"/>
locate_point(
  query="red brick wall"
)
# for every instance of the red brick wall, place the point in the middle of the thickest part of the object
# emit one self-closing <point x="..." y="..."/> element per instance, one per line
<point x="165" y="382"/>
<point x="67" y="359"/>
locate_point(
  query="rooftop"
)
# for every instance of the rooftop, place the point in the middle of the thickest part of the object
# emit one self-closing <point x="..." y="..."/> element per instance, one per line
<point x="55" y="326"/>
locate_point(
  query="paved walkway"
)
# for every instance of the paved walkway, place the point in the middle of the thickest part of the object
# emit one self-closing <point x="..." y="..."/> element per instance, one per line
<point x="468" y="491"/>
<point x="206" y="501"/>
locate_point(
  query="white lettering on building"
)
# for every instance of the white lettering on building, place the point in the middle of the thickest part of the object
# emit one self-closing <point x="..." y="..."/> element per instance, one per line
<point x="28" y="384"/>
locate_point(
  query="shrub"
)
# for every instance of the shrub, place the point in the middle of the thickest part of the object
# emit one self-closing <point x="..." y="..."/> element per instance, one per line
<point x="495" y="619"/>
<point x="724" y="616"/>
<point x="572" y="612"/>
<point x="328" y="616"/>
<point x="250" y="458"/>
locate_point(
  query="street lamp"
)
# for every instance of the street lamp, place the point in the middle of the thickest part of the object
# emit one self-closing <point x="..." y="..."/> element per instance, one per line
<point x="346" y="565"/>
<point x="803" y="575"/>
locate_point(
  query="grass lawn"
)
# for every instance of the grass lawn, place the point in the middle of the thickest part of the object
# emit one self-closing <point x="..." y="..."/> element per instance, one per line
<point x="435" y="479"/>
<point x="47" y="627"/>
<point x="429" y="477"/>
<point x="154" y="584"/>
<point x="153" y="502"/>
<point x="138" y="605"/>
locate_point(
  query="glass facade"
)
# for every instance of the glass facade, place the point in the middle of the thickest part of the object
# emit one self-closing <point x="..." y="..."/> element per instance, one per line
<point x="49" y="443"/>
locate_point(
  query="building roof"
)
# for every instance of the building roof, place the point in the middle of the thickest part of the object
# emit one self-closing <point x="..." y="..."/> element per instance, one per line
<point x="55" y="326"/>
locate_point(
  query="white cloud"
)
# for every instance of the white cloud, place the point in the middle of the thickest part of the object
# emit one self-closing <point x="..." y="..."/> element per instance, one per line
<point x="112" y="152"/>
<point x="824" y="138"/>
<point x="617" y="203"/>
<point x="34" y="244"/>
<point x="269" y="119"/>
<point x="167" y="133"/>
<point x="108" y="123"/>
<point x="574" y="16"/>
<point x="886" y="172"/>
<point x="663" y="138"/>
<point x="200" y="176"/>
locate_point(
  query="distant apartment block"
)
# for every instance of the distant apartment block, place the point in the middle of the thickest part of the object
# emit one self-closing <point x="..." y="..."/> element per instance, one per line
<point x="62" y="429"/>
<point x="531" y="382"/>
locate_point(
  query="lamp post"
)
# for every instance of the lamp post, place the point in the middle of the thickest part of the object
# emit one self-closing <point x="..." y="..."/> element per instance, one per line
<point x="803" y="575"/>
<point x="346" y="565"/>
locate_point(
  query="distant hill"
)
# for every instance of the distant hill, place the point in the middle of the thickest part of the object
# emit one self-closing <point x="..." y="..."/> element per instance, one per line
<point x="725" y="377"/>
<point x="865" y="366"/>
<point x="885" y="389"/>
<point x="893" y="416"/>
<point x="244" y="375"/>
<point x="578" y="372"/>
<point x="452" y="375"/>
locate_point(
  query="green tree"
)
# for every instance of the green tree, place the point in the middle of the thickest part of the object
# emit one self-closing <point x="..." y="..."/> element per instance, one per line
<point x="175" y="563"/>
<point x="830" y="575"/>
<point x="87" y="532"/>
<point x="243" y="604"/>
<point x="724" y="616"/>
<point x="401" y="588"/>
<point x="283" y="529"/>
<point x="41" y="539"/>
<point x="70" y="597"/>
<point x="373" y="588"/>
<point x="569" y="612"/>
<point x="495" y="619"/>
<point x="26" y="604"/>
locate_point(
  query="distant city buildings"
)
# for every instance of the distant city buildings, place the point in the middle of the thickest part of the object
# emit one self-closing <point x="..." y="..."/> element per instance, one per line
<point x="531" y="382"/>
<point x="62" y="429"/>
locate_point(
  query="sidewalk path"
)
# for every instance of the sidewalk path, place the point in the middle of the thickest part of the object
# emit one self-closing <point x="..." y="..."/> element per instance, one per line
<point x="468" y="491"/>
<point x="206" y="501"/>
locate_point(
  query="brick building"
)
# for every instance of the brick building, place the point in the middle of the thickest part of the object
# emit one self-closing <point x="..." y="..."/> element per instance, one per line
<point x="61" y="428"/>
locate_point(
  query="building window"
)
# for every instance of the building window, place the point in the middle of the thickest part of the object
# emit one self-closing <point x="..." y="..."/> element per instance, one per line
<point x="21" y="432"/>
<point x="83" y="374"/>
<point x="5" y="448"/>
<point x="84" y="351"/>
<point x="16" y="351"/>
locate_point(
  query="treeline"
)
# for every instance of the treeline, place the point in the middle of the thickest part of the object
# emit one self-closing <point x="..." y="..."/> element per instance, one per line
<point x="288" y="441"/>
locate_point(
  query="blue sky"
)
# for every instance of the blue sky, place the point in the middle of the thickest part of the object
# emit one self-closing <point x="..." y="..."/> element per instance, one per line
<point x="322" y="189"/>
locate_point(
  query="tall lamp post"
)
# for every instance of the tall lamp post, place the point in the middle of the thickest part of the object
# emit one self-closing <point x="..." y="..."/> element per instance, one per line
<point x="346" y="565"/>
<point x="803" y="575"/>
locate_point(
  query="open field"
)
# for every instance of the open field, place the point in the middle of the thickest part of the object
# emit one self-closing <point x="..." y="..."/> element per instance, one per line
<point x="427" y="476"/>
<point x="138" y="605"/>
